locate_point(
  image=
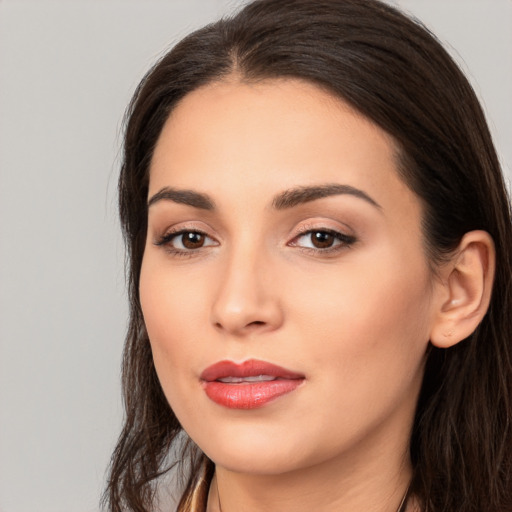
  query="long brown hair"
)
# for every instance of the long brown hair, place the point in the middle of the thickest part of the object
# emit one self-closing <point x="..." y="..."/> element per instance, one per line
<point x="394" y="71"/>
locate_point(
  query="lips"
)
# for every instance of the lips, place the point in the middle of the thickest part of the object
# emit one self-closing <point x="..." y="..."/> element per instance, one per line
<point x="249" y="385"/>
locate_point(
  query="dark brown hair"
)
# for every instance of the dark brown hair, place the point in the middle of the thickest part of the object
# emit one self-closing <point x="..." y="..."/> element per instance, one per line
<point x="394" y="71"/>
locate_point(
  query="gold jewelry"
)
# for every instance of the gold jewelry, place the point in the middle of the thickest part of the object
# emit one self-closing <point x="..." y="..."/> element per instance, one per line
<point x="403" y="504"/>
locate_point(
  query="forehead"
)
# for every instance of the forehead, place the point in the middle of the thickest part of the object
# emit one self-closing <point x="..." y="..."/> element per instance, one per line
<point x="243" y="138"/>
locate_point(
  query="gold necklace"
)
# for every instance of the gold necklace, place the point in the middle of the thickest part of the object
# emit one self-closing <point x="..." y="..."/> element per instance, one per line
<point x="403" y="503"/>
<point x="401" y="507"/>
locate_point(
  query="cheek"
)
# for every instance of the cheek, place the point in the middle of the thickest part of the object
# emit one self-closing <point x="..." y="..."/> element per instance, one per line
<point x="366" y="319"/>
<point x="364" y="340"/>
<point x="172" y="316"/>
<point x="173" y="304"/>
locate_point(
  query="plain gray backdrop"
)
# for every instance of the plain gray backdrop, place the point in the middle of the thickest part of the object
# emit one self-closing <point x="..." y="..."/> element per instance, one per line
<point x="67" y="71"/>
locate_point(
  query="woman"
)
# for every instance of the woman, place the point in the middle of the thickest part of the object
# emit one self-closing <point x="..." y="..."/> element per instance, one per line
<point x="320" y="273"/>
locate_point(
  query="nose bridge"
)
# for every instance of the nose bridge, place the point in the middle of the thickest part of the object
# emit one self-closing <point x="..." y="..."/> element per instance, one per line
<point x="246" y="298"/>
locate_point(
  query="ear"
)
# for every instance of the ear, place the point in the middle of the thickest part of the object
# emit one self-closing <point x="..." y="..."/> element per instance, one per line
<point x="465" y="290"/>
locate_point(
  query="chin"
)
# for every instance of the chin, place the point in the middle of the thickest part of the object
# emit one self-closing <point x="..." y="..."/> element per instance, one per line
<point x="255" y="463"/>
<point x="255" y="450"/>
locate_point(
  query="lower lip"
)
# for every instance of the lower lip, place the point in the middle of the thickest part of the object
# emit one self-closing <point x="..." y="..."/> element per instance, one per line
<point x="249" y="395"/>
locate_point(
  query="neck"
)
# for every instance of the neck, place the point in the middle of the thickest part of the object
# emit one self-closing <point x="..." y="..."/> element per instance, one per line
<point x="337" y="485"/>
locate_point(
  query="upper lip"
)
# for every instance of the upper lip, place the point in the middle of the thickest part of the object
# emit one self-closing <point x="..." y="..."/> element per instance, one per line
<point x="249" y="368"/>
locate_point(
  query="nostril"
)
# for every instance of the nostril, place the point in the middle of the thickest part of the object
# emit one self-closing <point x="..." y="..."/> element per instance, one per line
<point x="247" y="327"/>
<point x="256" y="323"/>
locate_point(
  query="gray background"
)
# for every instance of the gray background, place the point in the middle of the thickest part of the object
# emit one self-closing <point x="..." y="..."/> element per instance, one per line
<point x="67" y="70"/>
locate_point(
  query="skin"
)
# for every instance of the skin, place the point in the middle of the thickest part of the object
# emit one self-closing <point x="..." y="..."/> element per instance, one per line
<point x="355" y="320"/>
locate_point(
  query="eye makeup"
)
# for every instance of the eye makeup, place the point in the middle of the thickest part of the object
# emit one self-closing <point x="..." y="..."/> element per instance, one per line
<point x="313" y="240"/>
<point x="185" y="241"/>
<point x="324" y="240"/>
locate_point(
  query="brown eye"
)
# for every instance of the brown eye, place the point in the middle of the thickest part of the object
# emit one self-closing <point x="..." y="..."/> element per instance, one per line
<point x="322" y="239"/>
<point x="192" y="239"/>
<point x="186" y="241"/>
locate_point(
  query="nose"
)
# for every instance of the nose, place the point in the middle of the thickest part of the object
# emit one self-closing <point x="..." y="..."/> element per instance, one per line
<point x="247" y="298"/>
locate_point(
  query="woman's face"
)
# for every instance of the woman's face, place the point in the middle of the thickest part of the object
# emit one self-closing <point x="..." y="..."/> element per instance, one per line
<point x="281" y="242"/>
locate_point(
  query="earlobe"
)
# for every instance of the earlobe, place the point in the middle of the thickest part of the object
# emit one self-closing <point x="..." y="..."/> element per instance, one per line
<point x="465" y="290"/>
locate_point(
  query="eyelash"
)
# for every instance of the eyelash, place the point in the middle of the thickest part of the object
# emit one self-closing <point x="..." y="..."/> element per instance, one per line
<point x="167" y="238"/>
<point x="345" y="241"/>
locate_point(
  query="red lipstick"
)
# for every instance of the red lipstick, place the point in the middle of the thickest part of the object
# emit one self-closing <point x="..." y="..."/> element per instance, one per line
<point x="248" y="385"/>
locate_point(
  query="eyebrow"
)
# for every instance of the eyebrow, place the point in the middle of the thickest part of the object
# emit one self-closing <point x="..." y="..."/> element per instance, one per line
<point x="284" y="200"/>
<point x="188" y="197"/>
<point x="300" y="195"/>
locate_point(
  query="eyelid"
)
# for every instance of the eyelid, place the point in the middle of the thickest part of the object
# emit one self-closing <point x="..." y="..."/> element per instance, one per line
<point x="323" y="224"/>
<point x="168" y="230"/>
<point x="164" y="238"/>
<point x="341" y="237"/>
<point x="170" y="235"/>
<point x="345" y="237"/>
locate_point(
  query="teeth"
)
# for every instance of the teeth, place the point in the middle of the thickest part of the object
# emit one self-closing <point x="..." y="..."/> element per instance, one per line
<point x="230" y="380"/>
<point x="255" y="378"/>
<point x="260" y="378"/>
